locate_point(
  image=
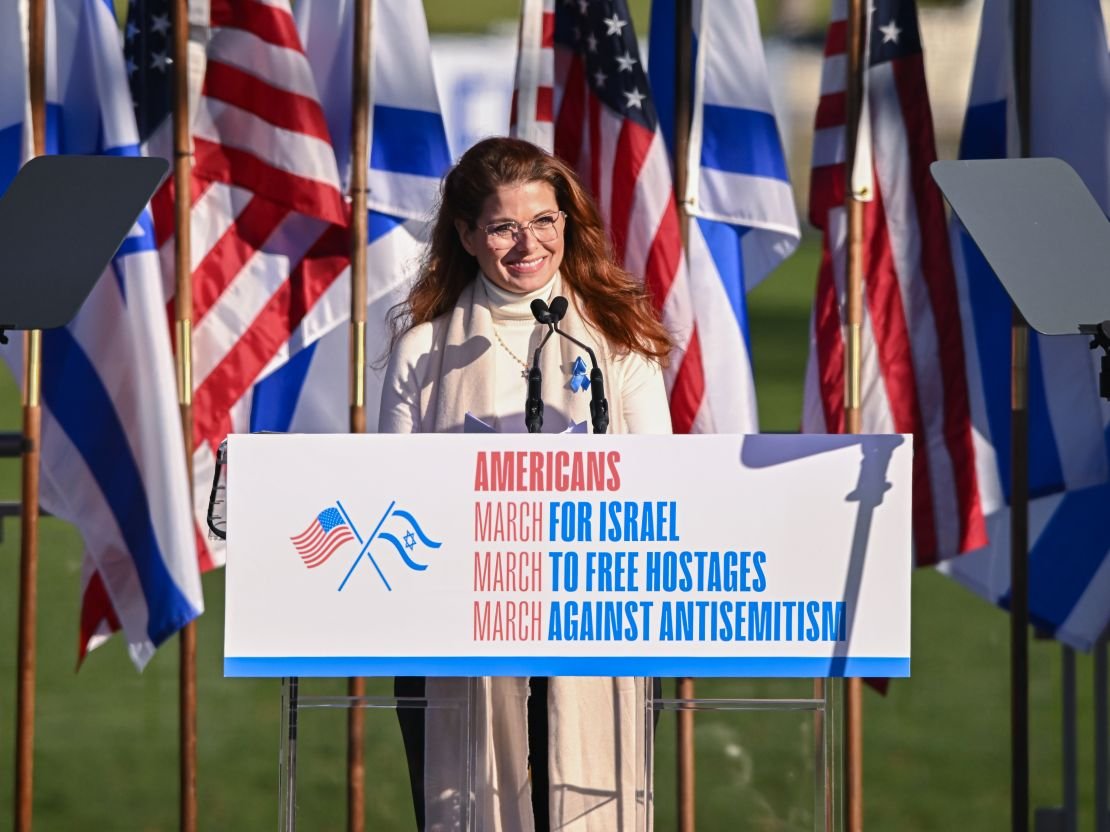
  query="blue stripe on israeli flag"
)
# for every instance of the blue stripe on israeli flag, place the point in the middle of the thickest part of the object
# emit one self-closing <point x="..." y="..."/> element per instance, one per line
<point x="78" y="401"/>
<point x="735" y="140"/>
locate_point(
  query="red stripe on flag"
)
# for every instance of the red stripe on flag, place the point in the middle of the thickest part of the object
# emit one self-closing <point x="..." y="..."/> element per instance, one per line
<point x="940" y="280"/>
<point x="163" y="210"/>
<point x="230" y="380"/>
<point x="632" y="150"/>
<point x="232" y="166"/>
<point x="836" y="42"/>
<point x="689" y="387"/>
<point x="545" y="104"/>
<point x="572" y="113"/>
<point x="827" y="190"/>
<point x="831" y="111"/>
<point x="548" y="37"/>
<point x="829" y="344"/>
<point x="96" y="610"/>
<point x="664" y="257"/>
<point x="891" y="334"/>
<point x="595" y="146"/>
<point x="281" y="108"/>
<point x="271" y="24"/>
<point x="223" y="262"/>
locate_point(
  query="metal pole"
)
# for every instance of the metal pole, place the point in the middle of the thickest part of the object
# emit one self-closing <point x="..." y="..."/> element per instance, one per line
<point x="684" y="687"/>
<point x="1070" y="741"/>
<point x="1019" y="475"/>
<point x="183" y="349"/>
<point x="853" y="688"/>
<point x="1102" y="739"/>
<point x="360" y="130"/>
<point x="29" y="518"/>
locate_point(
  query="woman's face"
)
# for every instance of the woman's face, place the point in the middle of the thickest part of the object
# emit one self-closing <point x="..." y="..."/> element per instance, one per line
<point x="517" y="262"/>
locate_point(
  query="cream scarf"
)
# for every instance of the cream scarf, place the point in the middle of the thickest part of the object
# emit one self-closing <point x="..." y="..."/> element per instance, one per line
<point x="596" y="725"/>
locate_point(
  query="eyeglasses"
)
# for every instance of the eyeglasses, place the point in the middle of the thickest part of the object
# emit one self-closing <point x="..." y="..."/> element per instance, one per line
<point x="544" y="228"/>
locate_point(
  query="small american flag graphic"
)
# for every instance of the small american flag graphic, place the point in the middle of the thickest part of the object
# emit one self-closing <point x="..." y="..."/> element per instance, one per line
<point x="326" y="533"/>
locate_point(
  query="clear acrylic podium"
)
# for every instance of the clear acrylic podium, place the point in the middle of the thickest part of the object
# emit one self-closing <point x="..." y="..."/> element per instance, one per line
<point x="770" y="759"/>
<point x="767" y="735"/>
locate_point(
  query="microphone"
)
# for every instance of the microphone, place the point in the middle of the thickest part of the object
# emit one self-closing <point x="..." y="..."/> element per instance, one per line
<point x="599" y="405"/>
<point x="533" y="404"/>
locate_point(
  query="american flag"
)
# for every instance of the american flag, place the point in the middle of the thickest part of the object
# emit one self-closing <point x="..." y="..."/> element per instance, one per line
<point x="582" y="91"/>
<point x="269" y="220"/>
<point x="326" y="533"/>
<point x="913" y="371"/>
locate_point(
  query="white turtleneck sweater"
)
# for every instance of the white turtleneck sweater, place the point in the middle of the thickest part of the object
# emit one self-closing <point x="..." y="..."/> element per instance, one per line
<point x="643" y="399"/>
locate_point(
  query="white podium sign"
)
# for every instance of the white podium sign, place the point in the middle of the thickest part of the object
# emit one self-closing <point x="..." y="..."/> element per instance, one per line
<point x="518" y="555"/>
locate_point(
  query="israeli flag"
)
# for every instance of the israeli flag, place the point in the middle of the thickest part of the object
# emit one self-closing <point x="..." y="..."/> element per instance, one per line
<point x="408" y="156"/>
<point x="738" y="191"/>
<point x="1069" y="446"/>
<point x="113" y="461"/>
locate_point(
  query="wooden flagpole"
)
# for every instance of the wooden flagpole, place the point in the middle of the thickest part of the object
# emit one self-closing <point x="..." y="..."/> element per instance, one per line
<point x="32" y="435"/>
<point x="853" y="688"/>
<point x="683" y="86"/>
<point x="1019" y="472"/>
<point x="360" y="160"/>
<point x="183" y="349"/>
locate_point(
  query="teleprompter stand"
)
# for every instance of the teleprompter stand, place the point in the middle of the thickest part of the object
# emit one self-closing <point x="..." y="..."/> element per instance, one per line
<point x="1048" y="242"/>
<point x="61" y="221"/>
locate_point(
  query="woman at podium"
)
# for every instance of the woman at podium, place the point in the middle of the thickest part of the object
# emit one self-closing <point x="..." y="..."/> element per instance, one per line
<point x="514" y="225"/>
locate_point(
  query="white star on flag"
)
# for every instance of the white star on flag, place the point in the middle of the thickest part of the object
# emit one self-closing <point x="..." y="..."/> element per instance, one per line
<point x="160" y="23"/>
<point x="591" y="42"/>
<point x="600" y="77"/>
<point x="614" y="24"/>
<point x="625" y="62"/>
<point x="634" y="98"/>
<point x="160" y="61"/>
<point x="890" y="32"/>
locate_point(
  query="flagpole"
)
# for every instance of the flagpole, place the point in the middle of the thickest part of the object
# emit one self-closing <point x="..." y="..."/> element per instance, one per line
<point x="1019" y="472"/>
<point x="360" y="134"/>
<point x="183" y="349"/>
<point x="684" y="686"/>
<point x="853" y="687"/>
<point x="32" y="435"/>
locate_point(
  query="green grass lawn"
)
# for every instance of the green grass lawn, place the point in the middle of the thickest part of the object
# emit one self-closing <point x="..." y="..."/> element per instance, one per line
<point x="937" y="747"/>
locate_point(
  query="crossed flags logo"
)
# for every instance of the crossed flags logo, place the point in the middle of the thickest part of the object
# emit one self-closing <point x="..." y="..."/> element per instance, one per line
<point x="397" y="532"/>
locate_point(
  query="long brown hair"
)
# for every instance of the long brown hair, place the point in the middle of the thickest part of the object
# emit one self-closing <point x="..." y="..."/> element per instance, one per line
<point x="615" y="303"/>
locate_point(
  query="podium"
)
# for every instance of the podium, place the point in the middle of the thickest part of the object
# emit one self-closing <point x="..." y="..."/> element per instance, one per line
<point x="706" y="556"/>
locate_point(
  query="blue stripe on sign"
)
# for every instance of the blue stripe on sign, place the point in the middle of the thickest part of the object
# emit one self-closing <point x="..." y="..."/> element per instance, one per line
<point x="892" y="666"/>
<point x="1066" y="556"/>
<point x="409" y="141"/>
<point x="275" y="398"/>
<point x="81" y="405"/>
<point x="723" y="241"/>
<point x="736" y="140"/>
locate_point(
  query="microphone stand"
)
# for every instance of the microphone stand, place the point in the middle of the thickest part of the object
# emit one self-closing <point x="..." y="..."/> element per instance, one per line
<point x="599" y="405"/>
<point x="533" y="404"/>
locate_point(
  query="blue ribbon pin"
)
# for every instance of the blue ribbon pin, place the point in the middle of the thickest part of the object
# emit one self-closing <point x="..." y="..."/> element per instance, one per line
<point x="578" y="379"/>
